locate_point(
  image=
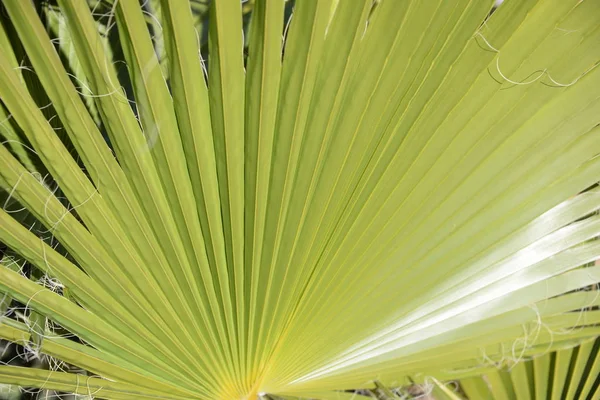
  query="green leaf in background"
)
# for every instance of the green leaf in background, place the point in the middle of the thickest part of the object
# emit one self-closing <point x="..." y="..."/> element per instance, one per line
<point x="570" y="372"/>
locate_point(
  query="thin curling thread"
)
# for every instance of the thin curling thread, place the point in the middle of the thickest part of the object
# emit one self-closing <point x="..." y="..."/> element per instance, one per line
<point x="202" y="61"/>
<point x="426" y="388"/>
<point x="515" y="82"/>
<point x="478" y="33"/>
<point x="87" y="384"/>
<point x="541" y="73"/>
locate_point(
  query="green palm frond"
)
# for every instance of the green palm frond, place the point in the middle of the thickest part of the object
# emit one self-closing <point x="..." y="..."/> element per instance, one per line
<point x="567" y="373"/>
<point x="396" y="192"/>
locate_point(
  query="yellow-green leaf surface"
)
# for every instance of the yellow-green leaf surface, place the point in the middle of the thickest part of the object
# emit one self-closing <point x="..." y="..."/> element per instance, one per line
<point x="348" y="194"/>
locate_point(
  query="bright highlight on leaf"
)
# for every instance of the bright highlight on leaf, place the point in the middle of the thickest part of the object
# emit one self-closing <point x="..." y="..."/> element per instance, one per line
<point x="364" y="194"/>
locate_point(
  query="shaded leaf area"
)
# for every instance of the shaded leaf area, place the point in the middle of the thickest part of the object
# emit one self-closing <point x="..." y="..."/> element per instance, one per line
<point x="567" y="373"/>
<point x="316" y="199"/>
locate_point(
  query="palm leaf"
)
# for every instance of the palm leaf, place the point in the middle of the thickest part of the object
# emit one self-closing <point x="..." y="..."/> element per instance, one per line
<point x="570" y="372"/>
<point x="407" y="193"/>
